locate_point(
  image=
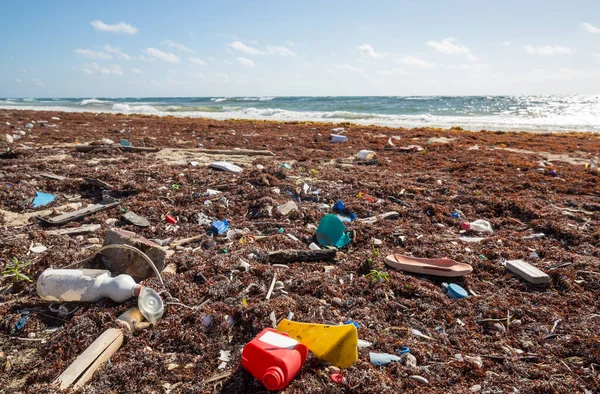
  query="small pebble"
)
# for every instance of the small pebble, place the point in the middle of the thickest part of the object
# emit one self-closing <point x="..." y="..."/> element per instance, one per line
<point x="376" y="242"/>
<point x="475" y="389"/>
<point x="93" y="241"/>
<point x="409" y="360"/>
<point x="79" y="238"/>
<point x="499" y="327"/>
<point x="110" y="221"/>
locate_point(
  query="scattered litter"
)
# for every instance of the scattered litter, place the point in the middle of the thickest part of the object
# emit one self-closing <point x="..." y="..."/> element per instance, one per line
<point x="42" y="199"/>
<point x="535" y="236"/>
<point x="527" y="271"/>
<point x="336" y="138"/>
<point x="366" y="155"/>
<point x="454" y="291"/>
<point x="332" y="232"/>
<point x="381" y="359"/>
<point x="225" y="166"/>
<point x="220" y="227"/>
<point x="478" y="226"/>
<point x="125" y="143"/>
<point x="38" y="248"/>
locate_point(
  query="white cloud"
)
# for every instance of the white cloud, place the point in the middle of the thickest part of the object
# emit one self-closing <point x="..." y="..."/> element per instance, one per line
<point x="590" y="28"/>
<point x="448" y="46"/>
<point x="177" y="45"/>
<point x="197" y="75"/>
<point x="415" y="61"/>
<point x="136" y="71"/>
<point x="367" y="51"/>
<point x="347" y="67"/>
<point x="38" y="82"/>
<point x="271" y="49"/>
<point x="118" y="53"/>
<point x="506" y="43"/>
<point x="197" y="61"/>
<point x="396" y="71"/>
<point x="548" y="50"/>
<point x="92" y="54"/>
<point x="146" y="59"/>
<point x="18" y="80"/>
<point x="280" y="50"/>
<point x="120" y="27"/>
<point x="238" y="46"/>
<point x="94" y="68"/>
<point x="596" y="54"/>
<point x="245" y="62"/>
<point x="167" y="57"/>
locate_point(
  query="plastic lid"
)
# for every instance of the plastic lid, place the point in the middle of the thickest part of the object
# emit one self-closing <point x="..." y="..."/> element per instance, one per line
<point x="465" y="226"/>
<point x="150" y="304"/>
<point x="272" y="378"/>
<point x="455" y="291"/>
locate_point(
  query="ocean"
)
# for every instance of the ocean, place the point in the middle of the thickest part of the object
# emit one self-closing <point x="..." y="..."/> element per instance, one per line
<point x="516" y="113"/>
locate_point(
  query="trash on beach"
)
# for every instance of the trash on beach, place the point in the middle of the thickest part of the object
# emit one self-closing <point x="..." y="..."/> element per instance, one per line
<point x="478" y="226"/>
<point x="85" y="229"/>
<point x="527" y="271"/>
<point x="220" y="227"/>
<point x="38" y="248"/>
<point x="170" y="219"/>
<point x="592" y="167"/>
<point x="42" y="199"/>
<point x="108" y="202"/>
<point x="535" y="236"/>
<point x="366" y="155"/>
<point x="29" y="125"/>
<point x="286" y="166"/>
<point x="9" y="138"/>
<point x="454" y="291"/>
<point x="435" y="267"/>
<point x="86" y="285"/>
<point x="332" y="232"/>
<point x="225" y="166"/>
<point x="336" y="138"/>
<point x="274" y="358"/>
<point x="290" y="208"/>
<point x="135" y="219"/>
<point x="457" y="214"/>
<point x="334" y="344"/>
<point x="470" y="239"/>
<point x="211" y="193"/>
<point x="381" y="359"/>
<point x="338" y="130"/>
<point x="411" y="148"/>
<point x="125" y="143"/>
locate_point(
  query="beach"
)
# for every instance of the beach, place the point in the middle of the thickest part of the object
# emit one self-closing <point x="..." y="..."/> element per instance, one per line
<point x="508" y="334"/>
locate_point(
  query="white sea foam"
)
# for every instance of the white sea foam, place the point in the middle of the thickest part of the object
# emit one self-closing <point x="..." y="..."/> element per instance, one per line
<point x="137" y="109"/>
<point x="92" y="101"/>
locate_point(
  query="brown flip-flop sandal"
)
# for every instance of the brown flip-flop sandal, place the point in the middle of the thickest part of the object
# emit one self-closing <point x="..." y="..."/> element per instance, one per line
<point x="436" y="267"/>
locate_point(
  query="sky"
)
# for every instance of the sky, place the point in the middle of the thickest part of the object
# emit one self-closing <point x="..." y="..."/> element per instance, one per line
<point x="302" y="48"/>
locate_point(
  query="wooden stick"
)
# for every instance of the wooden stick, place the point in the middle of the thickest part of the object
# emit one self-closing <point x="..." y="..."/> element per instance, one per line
<point x="184" y="241"/>
<point x="234" y="152"/>
<point x="271" y="288"/>
<point x="82" y="369"/>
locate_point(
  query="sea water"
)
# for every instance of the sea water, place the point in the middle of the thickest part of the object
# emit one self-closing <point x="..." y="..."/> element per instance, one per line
<point x="518" y="113"/>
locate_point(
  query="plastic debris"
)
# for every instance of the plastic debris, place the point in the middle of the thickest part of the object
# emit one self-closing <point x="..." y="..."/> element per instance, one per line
<point x="286" y="166"/>
<point x="332" y="232"/>
<point x="135" y="219"/>
<point x="479" y="226"/>
<point x="404" y="350"/>
<point x="336" y="138"/>
<point x="362" y="344"/>
<point x="366" y="154"/>
<point x="380" y="359"/>
<point x="42" y="199"/>
<point x="125" y="143"/>
<point x="38" y="248"/>
<point x="220" y="226"/>
<point x="20" y="325"/>
<point x="225" y="166"/>
<point x="170" y="219"/>
<point x="454" y="291"/>
<point x="337" y="377"/>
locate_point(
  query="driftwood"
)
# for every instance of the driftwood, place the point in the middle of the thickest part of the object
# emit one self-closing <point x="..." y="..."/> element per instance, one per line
<point x="89" y="148"/>
<point x="233" y="152"/>
<point x="109" y="202"/>
<point x="92" y="358"/>
<point x="85" y="229"/>
<point x="292" y="256"/>
<point x="185" y="241"/>
<point x="373" y="219"/>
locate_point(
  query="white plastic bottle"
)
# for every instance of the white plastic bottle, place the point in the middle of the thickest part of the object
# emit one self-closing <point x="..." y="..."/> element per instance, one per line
<point x="479" y="226"/>
<point x="85" y="285"/>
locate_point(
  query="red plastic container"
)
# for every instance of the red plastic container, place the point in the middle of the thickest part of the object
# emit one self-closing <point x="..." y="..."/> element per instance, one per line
<point x="274" y="358"/>
<point x="170" y="219"/>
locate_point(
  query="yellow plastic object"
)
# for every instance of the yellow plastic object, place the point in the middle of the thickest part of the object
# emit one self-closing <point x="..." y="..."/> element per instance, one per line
<point x="334" y="344"/>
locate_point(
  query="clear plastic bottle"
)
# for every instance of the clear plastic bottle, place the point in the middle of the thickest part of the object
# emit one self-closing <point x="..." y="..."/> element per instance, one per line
<point x="479" y="226"/>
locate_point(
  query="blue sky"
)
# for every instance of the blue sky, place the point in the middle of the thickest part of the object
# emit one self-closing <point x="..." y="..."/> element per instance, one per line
<point x="240" y="48"/>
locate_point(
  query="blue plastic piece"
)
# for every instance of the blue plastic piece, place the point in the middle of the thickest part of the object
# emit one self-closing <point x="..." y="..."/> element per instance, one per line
<point x="352" y="322"/>
<point x="339" y="206"/>
<point x="455" y="215"/>
<point x="332" y="232"/>
<point x="379" y="359"/>
<point x="220" y="227"/>
<point x="456" y="292"/>
<point x="22" y="321"/>
<point x="42" y="199"/>
<point x="404" y="350"/>
<point x="125" y="143"/>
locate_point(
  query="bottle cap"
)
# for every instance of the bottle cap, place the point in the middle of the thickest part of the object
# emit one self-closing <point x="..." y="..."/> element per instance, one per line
<point x="150" y="304"/>
<point x="465" y="226"/>
<point x="272" y="378"/>
<point x="456" y="292"/>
